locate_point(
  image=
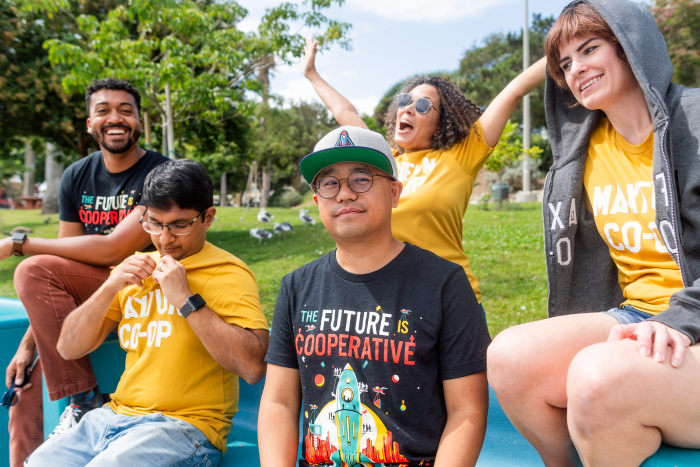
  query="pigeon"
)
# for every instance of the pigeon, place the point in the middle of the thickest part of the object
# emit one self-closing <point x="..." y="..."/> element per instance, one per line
<point x="278" y="230"/>
<point x="287" y="227"/>
<point x="47" y="220"/>
<point x="20" y="229"/>
<point x="264" y="216"/>
<point x="260" y="234"/>
<point x="306" y="219"/>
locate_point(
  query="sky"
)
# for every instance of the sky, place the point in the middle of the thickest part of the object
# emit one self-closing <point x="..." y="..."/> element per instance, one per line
<point x="395" y="39"/>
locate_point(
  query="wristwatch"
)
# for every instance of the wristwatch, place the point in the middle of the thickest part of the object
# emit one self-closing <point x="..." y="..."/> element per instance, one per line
<point x="193" y="303"/>
<point x="17" y="241"/>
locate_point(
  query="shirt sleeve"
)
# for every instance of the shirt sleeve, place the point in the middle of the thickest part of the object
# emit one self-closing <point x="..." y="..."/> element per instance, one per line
<point x="464" y="335"/>
<point x="115" y="310"/>
<point x="67" y="210"/>
<point x="472" y="151"/>
<point x="232" y="293"/>
<point x="281" y="351"/>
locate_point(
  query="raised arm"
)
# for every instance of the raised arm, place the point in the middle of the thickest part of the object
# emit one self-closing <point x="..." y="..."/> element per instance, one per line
<point x="278" y="421"/>
<point x="496" y="115"/>
<point x="341" y="108"/>
<point x="97" y="250"/>
<point x="467" y="403"/>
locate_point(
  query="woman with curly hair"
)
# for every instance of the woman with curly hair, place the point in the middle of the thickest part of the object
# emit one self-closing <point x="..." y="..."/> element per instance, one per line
<point x="440" y="141"/>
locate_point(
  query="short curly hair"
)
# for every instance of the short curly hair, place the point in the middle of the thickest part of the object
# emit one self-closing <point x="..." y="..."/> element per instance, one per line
<point x="457" y="113"/>
<point x="112" y="84"/>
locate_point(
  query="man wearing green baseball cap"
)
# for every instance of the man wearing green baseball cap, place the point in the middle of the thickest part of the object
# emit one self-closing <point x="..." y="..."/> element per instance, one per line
<point x="384" y="342"/>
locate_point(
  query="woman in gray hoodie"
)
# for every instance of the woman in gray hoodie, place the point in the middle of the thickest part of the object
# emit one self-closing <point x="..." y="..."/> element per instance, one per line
<point x="616" y="369"/>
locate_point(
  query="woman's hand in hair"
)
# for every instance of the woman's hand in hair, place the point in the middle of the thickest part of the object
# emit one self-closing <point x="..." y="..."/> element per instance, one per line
<point x="652" y="339"/>
<point x="308" y="61"/>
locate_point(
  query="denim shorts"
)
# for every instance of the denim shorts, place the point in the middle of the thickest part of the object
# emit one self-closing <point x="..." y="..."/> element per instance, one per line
<point x="627" y="314"/>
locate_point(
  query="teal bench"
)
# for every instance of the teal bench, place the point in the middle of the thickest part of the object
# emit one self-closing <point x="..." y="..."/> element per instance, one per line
<point x="503" y="447"/>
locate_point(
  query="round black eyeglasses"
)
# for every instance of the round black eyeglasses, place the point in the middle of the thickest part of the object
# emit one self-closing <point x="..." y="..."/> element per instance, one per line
<point x="422" y="104"/>
<point x="175" y="229"/>
<point x="359" y="181"/>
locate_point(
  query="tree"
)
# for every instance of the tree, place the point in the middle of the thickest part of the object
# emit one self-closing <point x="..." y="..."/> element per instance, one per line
<point x="187" y="57"/>
<point x="508" y="150"/>
<point x="486" y="69"/>
<point x="679" y="21"/>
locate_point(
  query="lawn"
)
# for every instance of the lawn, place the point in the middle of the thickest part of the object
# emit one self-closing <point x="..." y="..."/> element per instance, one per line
<point x="505" y="248"/>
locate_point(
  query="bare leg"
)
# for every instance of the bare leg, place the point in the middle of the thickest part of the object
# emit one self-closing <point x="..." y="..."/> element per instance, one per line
<point x="527" y="368"/>
<point x="622" y="405"/>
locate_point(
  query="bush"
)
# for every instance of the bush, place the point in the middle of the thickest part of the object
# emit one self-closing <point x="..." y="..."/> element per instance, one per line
<point x="484" y="202"/>
<point x="290" y="198"/>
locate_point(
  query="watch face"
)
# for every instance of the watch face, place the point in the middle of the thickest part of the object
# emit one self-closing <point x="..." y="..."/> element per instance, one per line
<point x="19" y="237"/>
<point x="196" y="301"/>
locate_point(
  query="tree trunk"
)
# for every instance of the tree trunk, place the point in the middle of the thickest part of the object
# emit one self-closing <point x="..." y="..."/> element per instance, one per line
<point x="222" y="197"/>
<point x="265" y="195"/>
<point x="147" y="130"/>
<point x="53" y="173"/>
<point x="169" y="110"/>
<point x="30" y="168"/>
<point x="164" y="143"/>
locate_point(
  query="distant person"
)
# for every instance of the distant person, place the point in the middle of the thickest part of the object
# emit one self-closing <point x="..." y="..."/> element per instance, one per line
<point x="440" y="141"/>
<point x="382" y="341"/>
<point x="615" y="371"/>
<point x="99" y="209"/>
<point x="190" y="320"/>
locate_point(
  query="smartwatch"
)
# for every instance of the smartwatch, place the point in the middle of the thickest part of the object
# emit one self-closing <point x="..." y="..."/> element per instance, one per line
<point x="17" y="241"/>
<point x="193" y="303"/>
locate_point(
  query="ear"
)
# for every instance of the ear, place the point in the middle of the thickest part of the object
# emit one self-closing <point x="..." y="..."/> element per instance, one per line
<point x="316" y="198"/>
<point x="89" y="128"/>
<point x="396" y="190"/>
<point x="209" y="216"/>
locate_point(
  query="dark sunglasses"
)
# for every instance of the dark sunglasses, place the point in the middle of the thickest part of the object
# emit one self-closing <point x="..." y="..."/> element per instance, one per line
<point x="422" y="104"/>
<point x="10" y="398"/>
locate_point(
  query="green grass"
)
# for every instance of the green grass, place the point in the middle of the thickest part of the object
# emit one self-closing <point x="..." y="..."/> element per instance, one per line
<point x="504" y="246"/>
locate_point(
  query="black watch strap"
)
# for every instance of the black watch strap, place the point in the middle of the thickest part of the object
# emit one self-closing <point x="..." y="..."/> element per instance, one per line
<point x="193" y="303"/>
<point x="17" y="241"/>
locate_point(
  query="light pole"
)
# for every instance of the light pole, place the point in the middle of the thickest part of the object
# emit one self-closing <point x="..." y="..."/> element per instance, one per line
<point x="526" y="194"/>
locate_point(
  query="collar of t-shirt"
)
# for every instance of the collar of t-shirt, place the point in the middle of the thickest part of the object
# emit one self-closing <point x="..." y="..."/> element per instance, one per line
<point x="372" y="276"/>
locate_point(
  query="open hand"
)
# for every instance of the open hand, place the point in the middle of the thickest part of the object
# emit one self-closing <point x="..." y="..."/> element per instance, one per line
<point x="308" y="61"/>
<point x="652" y="339"/>
<point x="171" y="275"/>
<point x="132" y="271"/>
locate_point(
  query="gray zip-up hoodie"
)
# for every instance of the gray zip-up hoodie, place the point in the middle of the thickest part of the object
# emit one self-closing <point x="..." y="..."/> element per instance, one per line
<point x="581" y="274"/>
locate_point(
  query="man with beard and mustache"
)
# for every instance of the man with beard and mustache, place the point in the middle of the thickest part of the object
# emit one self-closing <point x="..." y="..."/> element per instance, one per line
<point x="99" y="212"/>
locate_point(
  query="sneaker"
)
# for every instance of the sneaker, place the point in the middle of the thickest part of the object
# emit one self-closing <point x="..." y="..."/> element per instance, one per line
<point x="70" y="417"/>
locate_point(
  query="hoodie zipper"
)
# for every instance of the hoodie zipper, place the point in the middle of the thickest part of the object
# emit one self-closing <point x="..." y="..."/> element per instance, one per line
<point x="670" y="194"/>
<point x="544" y="231"/>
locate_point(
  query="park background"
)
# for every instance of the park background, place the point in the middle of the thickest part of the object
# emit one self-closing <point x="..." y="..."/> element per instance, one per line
<point x="221" y="83"/>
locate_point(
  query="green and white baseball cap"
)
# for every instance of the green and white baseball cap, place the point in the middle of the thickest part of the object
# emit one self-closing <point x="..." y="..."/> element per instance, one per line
<point x="349" y="144"/>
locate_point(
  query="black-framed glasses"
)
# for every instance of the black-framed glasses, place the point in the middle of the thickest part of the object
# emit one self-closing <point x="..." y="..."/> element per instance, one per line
<point x="10" y="398"/>
<point x="422" y="104"/>
<point x="180" y="228"/>
<point x="360" y="181"/>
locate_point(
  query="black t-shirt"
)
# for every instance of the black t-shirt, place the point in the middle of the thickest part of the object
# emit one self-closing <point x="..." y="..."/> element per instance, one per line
<point x="373" y="350"/>
<point x="100" y="199"/>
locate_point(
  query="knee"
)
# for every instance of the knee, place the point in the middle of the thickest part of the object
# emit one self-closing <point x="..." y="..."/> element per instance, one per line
<point x="508" y="361"/>
<point x="31" y="271"/>
<point x="598" y="386"/>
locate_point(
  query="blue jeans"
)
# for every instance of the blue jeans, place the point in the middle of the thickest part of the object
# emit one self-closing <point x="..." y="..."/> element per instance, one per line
<point x="105" y="439"/>
<point x="628" y="314"/>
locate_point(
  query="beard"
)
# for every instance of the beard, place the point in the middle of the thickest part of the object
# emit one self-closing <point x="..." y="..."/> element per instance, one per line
<point x="133" y="136"/>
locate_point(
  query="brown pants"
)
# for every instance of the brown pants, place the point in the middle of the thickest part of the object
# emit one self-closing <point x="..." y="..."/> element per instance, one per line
<point x="50" y="288"/>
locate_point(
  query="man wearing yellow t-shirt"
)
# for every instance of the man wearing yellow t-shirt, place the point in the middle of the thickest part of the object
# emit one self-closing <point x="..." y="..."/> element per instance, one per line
<point x="190" y="320"/>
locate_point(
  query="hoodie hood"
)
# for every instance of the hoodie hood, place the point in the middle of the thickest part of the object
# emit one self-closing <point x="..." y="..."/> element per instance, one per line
<point x="647" y="53"/>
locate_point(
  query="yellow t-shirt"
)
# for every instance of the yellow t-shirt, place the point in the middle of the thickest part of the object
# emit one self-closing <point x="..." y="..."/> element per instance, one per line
<point x="437" y="185"/>
<point x="168" y="369"/>
<point x="620" y="194"/>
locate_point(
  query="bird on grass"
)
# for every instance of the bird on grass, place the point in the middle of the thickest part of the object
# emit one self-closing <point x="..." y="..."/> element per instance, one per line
<point x="264" y="216"/>
<point x="305" y="218"/>
<point x="278" y="230"/>
<point x="260" y="234"/>
<point x="287" y="227"/>
<point x="242" y="218"/>
<point x="47" y="220"/>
